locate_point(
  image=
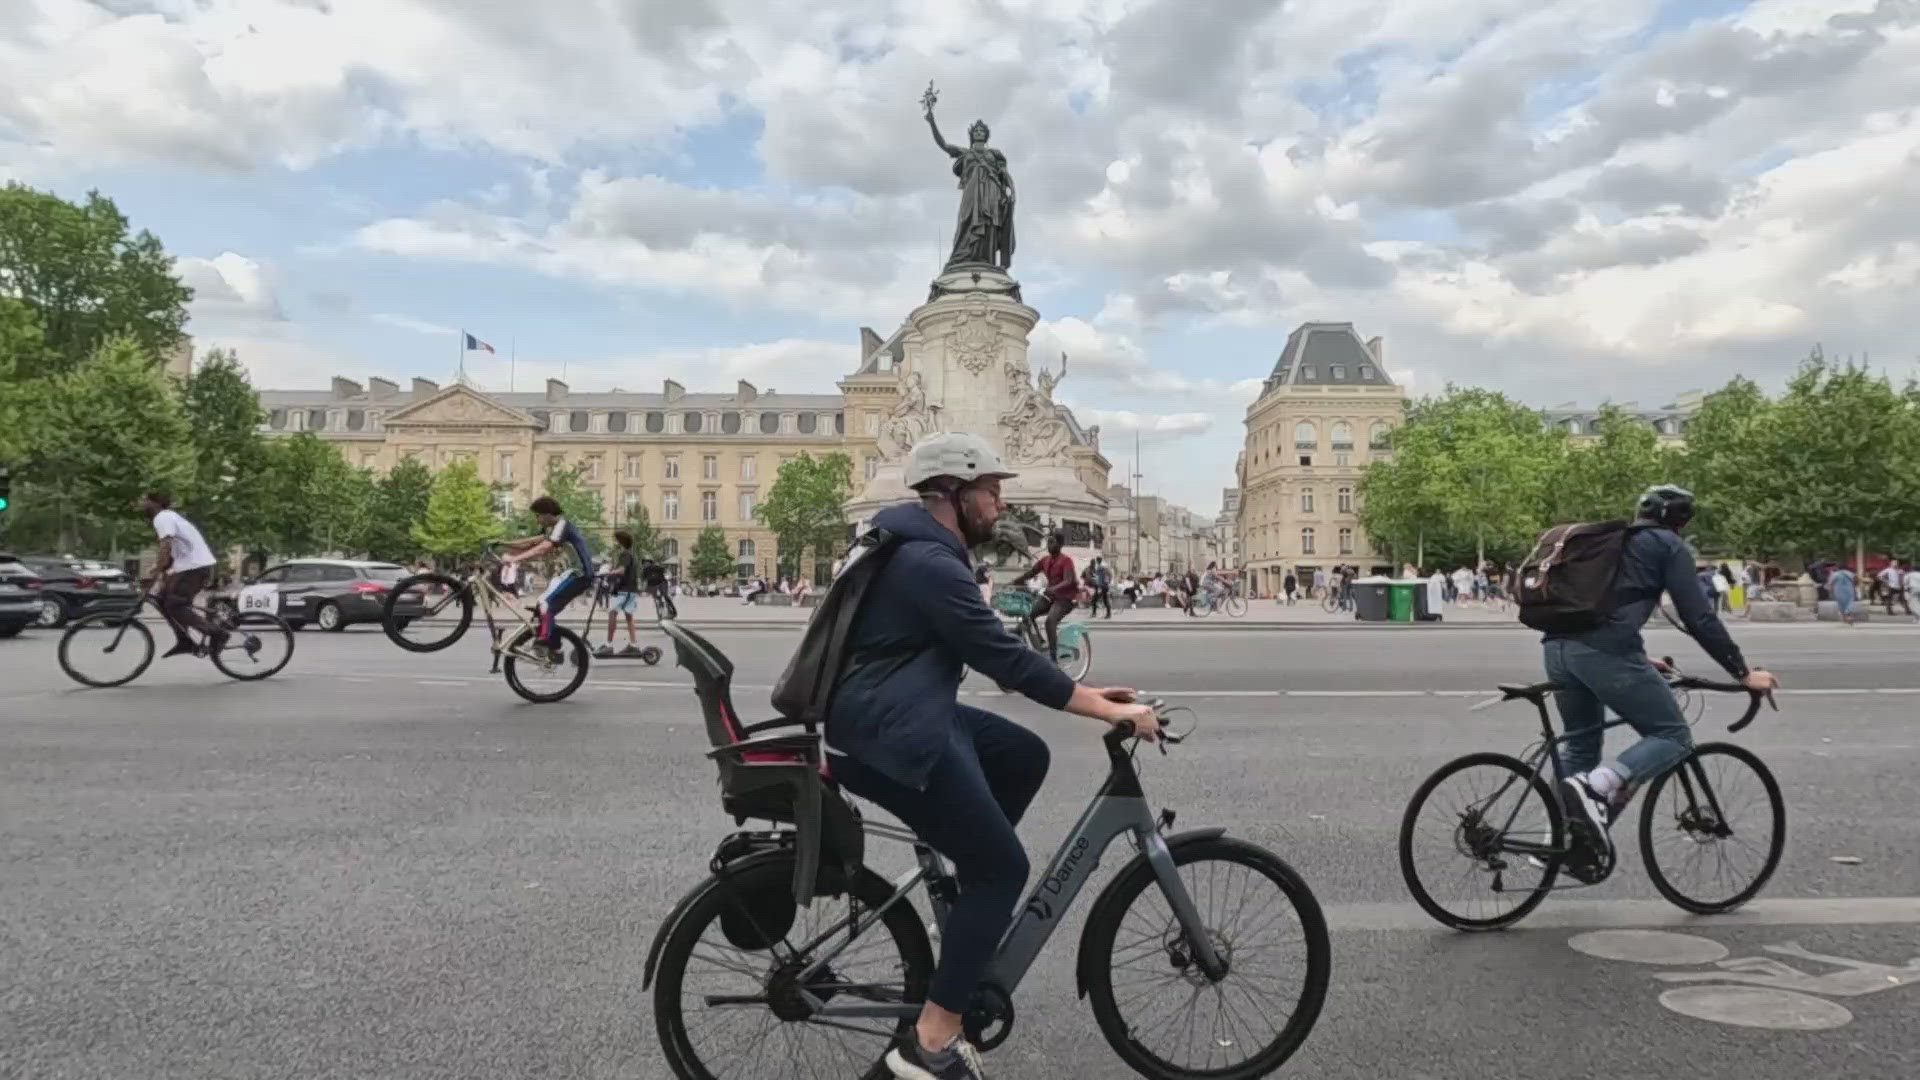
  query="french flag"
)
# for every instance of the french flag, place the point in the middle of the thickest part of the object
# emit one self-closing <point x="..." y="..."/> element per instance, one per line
<point x="474" y="344"/>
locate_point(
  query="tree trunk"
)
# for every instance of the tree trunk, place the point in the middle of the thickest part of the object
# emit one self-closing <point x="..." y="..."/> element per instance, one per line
<point x="1860" y="559"/>
<point x="1480" y="548"/>
<point x="1420" y="551"/>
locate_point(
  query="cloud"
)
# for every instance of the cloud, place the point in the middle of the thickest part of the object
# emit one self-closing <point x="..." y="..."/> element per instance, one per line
<point x="418" y="326"/>
<point x="1150" y="427"/>
<point x="230" y="286"/>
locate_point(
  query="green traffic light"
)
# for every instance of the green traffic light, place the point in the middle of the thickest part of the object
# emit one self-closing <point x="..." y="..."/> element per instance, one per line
<point x="3" y="502"/>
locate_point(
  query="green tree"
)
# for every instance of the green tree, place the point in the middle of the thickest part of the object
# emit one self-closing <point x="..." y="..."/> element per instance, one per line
<point x="112" y="428"/>
<point x="579" y="504"/>
<point x="1402" y="499"/>
<point x="86" y="279"/>
<point x="711" y="559"/>
<point x="229" y="453"/>
<point x="22" y="350"/>
<point x="646" y="538"/>
<point x="1832" y="464"/>
<point x="806" y="508"/>
<point x="1600" y="480"/>
<point x="399" y="503"/>
<point x="459" y="515"/>
<point x="1724" y="445"/>
<point x="312" y="501"/>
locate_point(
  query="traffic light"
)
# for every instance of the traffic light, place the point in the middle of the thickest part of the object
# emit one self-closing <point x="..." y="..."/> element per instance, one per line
<point x="6" y="488"/>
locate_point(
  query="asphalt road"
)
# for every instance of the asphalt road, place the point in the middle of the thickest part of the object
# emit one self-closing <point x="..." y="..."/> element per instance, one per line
<point x="378" y="864"/>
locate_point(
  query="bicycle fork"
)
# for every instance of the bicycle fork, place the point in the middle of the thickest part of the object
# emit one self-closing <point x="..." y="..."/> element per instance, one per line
<point x="1160" y="860"/>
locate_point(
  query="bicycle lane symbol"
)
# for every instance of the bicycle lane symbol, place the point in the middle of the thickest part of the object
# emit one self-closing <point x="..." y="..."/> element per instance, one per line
<point x="1749" y="991"/>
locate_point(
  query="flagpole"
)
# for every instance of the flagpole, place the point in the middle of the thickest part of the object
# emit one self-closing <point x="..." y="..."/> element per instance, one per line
<point x="460" y="354"/>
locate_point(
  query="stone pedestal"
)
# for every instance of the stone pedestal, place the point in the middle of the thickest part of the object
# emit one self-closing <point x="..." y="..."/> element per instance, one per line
<point x="964" y="368"/>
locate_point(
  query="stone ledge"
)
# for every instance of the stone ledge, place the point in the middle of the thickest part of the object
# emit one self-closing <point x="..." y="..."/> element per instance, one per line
<point x="1778" y="611"/>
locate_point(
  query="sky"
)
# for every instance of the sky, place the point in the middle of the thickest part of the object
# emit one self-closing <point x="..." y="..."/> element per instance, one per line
<point x="1566" y="200"/>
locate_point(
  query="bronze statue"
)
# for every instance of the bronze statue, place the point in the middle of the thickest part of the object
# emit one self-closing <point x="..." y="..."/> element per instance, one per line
<point x="984" y="231"/>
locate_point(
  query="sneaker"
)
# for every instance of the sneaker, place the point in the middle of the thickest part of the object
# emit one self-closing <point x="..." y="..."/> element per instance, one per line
<point x="181" y="648"/>
<point x="217" y="641"/>
<point x="959" y="1061"/>
<point x="1589" y="818"/>
<point x="604" y="651"/>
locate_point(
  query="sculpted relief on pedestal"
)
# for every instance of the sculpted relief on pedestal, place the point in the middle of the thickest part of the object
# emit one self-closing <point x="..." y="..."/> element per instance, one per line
<point x="974" y="341"/>
<point x="911" y="420"/>
<point x="1035" y="432"/>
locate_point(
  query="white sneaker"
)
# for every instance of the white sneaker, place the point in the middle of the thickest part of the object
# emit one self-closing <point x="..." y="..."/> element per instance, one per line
<point x="1594" y="809"/>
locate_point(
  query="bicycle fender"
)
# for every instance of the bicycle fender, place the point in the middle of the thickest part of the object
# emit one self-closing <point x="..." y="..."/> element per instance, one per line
<point x="1072" y="633"/>
<point x="713" y="881"/>
<point x="1082" y="964"/>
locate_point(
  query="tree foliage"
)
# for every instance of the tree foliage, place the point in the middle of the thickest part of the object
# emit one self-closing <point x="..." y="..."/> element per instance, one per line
<point x="399" y="503"/>
<point x="1601" y="480"/>
<point x="646" y="538"/>
<point x="579" y="504"/>
<point x="806" y="508"/>
<point x="312" y="501"/>
<point x="86" y="279"/>
<point x="711" y="560"/>
<point x="459" y="515"/>
<point x="225" y="481"/>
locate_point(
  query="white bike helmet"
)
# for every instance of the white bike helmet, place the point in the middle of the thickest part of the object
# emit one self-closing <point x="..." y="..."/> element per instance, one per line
<point x="957" y="454"/>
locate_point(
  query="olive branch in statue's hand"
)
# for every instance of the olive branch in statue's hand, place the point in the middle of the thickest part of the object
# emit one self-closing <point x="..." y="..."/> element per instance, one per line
<point x="928" y="99"/>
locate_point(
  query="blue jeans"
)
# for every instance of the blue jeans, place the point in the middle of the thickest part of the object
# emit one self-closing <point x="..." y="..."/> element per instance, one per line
<point x="1593" y="682"/>
<point x="976" y="794"/>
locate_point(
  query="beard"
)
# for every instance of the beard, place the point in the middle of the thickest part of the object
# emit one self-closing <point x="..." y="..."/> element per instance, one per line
<point x="972" y="529"/>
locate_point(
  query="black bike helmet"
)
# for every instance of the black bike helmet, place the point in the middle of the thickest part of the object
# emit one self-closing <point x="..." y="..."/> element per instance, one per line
<point x="1667" y="504"/>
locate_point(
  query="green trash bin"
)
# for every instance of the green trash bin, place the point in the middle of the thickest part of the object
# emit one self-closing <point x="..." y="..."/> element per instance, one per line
<point x="1400" y="601"/>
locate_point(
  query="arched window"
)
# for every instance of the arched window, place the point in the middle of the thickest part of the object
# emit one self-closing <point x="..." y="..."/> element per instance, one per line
<point x="1306" y="500"/>
<point x="616" y="422"/>
<point x="656" y="423"/>
<point x="769" y="423"/>
<point x="690" y="422"/>
<point x="1379" y="434"/>
<point x="1306" y="541"/>
<point x="730" y="423"/>
<point x="1345" y="500"/>
<point x="809" y="423"/>
<point x="578" y="420"/>
<point x="1305" y="435"/>
<point x="1342" y="435"/>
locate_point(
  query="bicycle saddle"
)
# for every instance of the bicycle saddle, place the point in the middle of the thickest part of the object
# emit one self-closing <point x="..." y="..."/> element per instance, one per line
<point x="1530" y="691"/>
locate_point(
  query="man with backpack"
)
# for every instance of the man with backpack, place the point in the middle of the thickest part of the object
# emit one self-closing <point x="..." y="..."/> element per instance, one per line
<point x="1590" y="588"/>
<point x="959" y="777"/>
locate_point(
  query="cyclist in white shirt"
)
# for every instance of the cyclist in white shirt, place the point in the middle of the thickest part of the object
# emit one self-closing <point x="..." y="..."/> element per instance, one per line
<point x="181" y="567"/>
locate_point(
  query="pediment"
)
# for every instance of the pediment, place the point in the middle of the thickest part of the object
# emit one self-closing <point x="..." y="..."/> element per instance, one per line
<point x="460" y="405"/>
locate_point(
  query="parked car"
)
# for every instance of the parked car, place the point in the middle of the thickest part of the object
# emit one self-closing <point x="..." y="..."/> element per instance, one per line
<point x="332" y="594"/>
<point x="19" y="596"/>
<point x="73" y="587"/>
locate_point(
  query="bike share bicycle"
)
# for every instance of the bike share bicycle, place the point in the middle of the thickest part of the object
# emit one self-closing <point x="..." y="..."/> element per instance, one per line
<point x="1719" y="809"/>
<point x="112" y="648"/>
<point x="1076" y="643"/>
<point x="444" y="605"/>
<point x="794" y="936"/>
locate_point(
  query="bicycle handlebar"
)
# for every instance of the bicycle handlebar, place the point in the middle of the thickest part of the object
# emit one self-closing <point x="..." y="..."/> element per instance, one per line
<point x="1122" y="731"/>
<point x="1690" y="682"/>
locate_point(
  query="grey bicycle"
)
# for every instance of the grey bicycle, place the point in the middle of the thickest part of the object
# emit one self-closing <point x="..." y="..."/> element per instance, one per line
<point x="1205" y="956"/>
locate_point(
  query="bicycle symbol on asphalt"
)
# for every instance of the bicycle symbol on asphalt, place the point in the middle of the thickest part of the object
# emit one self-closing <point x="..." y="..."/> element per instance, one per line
<point x="1750" y="991"/>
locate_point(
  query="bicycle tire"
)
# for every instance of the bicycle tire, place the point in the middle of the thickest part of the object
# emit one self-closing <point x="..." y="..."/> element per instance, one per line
<point x="1082" y="660"/>
<point x="1698" y="774"/>
<point x="774" y="877"/>
<point x="571" y="645"/>
<point x="1330" y="603"/>
<point x="1236" y="605"/>
<point x="395" y="624"/>
<point x="265" y="625"/>
<point x="100" y="622"/>
<point x="1105" y="922"/>
<point x="1557" y="832"/>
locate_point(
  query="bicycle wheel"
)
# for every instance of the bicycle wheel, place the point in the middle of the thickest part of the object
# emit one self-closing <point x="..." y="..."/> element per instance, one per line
<point x="1456" y="850"/>
<point x="96" y="651"/>
<point x="721" y="1009"/>
<point x="1266" y="924"/>
<point x="541" y="682"/>
<point x="1330" y="602"/>
<point x="1713" y="828"/>
<point x="1076" y="653"/>
<point x="427" y="612"/>
<point x="1236" y="605"/>
<point x="258" y="645"/>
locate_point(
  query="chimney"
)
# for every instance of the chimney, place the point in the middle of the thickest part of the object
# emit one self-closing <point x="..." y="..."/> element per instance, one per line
<point x="745" y="391"/>
<point x="345" y="388"/>
<point x="556" y="390"/>
<point x="1378" y="348"/>
<point x="674" y="391"/>
<point x="425" y="387"/>
<point x="382" y="388"/>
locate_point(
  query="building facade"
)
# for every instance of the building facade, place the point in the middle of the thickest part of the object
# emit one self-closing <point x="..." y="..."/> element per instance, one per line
<point x="693" y="460"/>
<point x="1669" y="421"/>
<point x="1323" y="415"/>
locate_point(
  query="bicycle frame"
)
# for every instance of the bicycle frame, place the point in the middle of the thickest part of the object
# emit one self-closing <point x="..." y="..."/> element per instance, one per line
<point x="1118" y="808"/>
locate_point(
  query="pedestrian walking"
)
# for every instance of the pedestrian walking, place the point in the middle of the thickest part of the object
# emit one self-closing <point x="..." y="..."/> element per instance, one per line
<point x="1893" y="586"/>
<point x="1290" y="584"/>
<point x="1100" y="585"/>
<point x="1840" y="583"/>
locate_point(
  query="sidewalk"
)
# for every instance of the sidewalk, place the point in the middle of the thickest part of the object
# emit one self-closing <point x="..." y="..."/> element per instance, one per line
<point x="728" y="613"/>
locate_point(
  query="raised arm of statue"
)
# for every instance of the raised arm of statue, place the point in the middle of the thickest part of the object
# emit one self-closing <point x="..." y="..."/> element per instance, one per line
<point x="934" y="125"/>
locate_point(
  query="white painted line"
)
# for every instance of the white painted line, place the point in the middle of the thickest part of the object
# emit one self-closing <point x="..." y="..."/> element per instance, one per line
<point x="439" y="682"/>
<point x="1825" y="693"/>
<point x="1600" y="914"/>
<point x="1464" y="693"/>
<point x="1898" y="690"/>
<point x="1350" y="693"/>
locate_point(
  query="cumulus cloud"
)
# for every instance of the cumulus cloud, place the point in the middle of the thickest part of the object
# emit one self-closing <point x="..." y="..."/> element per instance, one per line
<point x="230" y="286"/>
<point x="1151" y="427"/>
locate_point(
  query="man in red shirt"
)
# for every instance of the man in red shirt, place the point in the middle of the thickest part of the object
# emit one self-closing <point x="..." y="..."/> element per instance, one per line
<point x="1062" y="588"/>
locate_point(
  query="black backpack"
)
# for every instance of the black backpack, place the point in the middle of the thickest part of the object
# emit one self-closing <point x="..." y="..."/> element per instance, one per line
<point x="805" y="690"/>
<point x="1566" y="583"/>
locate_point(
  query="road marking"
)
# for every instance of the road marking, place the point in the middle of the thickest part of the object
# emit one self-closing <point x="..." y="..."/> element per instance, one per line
<point x="1629" y="914"/>
<point x="1354" y="693"/>
<point x="439" y="682"/>
<point x="1826" y="693"/>
<point x="1898" y="690"/>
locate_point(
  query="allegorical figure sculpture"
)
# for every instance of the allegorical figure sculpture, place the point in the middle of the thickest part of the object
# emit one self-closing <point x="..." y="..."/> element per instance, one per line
<point x="984" y="230"/>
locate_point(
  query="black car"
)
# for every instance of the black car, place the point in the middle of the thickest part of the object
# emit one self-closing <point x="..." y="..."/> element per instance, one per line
<point x="19" y="596"/>
<point x="332" y="594"/>
<point x="72" y="587"/>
